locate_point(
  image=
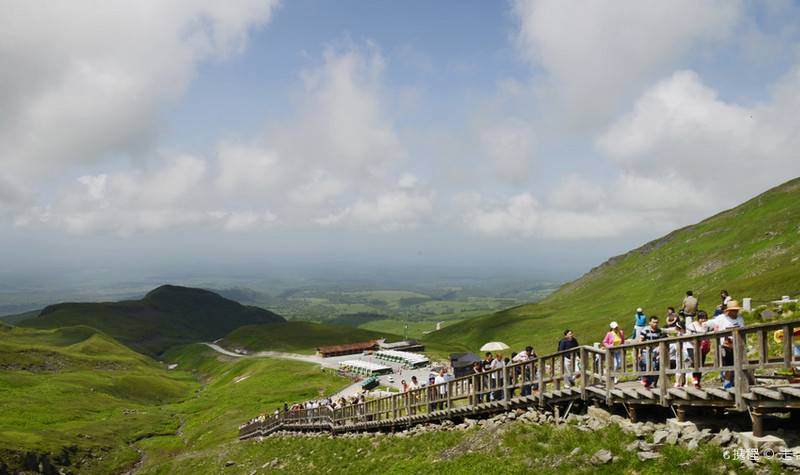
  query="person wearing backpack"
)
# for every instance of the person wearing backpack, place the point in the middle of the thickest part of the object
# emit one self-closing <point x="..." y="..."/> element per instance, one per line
<point x="639" y="322"/>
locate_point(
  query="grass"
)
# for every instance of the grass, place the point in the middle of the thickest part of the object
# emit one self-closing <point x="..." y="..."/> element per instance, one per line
<point x="76" y="393"/>
<point x="518" y="448"/>
<point x="166" y="316"/>
<point x="415" y="329"/>
<point x="297" y="337"/>
<point x="752" y="250"/>
<point x="234" y="390"/>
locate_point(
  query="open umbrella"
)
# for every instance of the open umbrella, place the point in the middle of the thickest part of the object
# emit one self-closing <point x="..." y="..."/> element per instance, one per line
<point x="495" y="346"/>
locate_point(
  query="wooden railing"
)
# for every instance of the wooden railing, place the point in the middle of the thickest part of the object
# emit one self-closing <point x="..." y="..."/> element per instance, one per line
<point x="580" y="373"/>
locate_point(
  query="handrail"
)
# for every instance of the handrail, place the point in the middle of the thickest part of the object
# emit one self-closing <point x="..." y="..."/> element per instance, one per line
<point x="598" y="368"/>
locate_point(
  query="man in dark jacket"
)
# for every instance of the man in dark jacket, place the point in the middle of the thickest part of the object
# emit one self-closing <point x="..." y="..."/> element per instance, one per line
<point x="567" y="343"/>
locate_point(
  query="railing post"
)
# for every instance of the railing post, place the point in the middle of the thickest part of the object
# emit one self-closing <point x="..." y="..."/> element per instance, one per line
<point x="740" y="385"/>
<point x="506" y="391"/>
<point x="788" y="354"/>
<point x="473" y="396"/>
<point x="448" y="386"/>
<point x="584" y="373"/>
<point x="540" y="378"/>
<point x="663" y="364"/>
<point x="609" y="377"/>
<point x="394" y="406"/>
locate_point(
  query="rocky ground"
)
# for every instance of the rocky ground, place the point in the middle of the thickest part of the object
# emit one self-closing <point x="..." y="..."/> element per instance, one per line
<point x="782" y="446"/>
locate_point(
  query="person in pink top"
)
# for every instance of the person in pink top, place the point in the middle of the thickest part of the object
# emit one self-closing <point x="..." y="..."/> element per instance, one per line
<point x="615" y="337"/>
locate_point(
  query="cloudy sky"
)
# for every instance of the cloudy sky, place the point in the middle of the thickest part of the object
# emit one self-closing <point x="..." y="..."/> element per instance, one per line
<point x="536" y="134"/>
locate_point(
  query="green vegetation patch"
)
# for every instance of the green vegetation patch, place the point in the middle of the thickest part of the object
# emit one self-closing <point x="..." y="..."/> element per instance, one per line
<point x="297" y="337"/>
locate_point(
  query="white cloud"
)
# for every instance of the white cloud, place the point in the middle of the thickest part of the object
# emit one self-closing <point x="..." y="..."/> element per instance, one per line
<point x="598" y="55"/>
<point x="681" y="128"/>
<point x="523" y="216"/>
<point x="247" y="170"/>
<point x="83" y="81"/>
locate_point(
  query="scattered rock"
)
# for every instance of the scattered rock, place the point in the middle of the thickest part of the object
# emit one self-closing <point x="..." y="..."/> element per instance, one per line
<point x="722" y="439"/>
<point x="230" y="463"/>
<point x="602" y="457"/>
<point x="660" y="436"/>
<point x="598" y="413"/>
<point x="672" y="438"/>
<point x="645" y="456"/>
<point x="575" y="451"/>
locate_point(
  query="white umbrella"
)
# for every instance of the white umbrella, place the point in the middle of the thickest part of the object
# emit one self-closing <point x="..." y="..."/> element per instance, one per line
<point x="495" y="346"/>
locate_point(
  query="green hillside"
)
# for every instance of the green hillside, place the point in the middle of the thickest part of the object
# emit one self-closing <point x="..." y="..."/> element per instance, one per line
<point x="752" y="250"/>
<point x="298" y="337"/>
<point x="166" y="316"/>
<point x="80" y="399"/>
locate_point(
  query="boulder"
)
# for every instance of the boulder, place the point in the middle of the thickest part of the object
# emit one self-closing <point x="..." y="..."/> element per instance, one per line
<point x="645" y="456"/>
<point x="722" y="439"/>
<point x="769" y="442"/>
<point x="672" y="438"/>
<point x="599" y="413"/>
<point x="602" y="457"/>
<point x="683" y="428"/>
<point x="660" y="436"/>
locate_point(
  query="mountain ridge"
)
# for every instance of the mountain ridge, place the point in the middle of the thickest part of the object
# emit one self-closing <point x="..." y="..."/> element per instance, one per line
<point x="166" y="316"/>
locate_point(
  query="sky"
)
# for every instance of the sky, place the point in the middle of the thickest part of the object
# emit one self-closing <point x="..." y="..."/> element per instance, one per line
<point x="540" y="135"/>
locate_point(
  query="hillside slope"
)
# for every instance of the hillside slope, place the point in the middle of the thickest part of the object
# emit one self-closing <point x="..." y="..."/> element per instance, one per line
<point x="75" y="397"/>
<point x="752" y="250"/>
<point x="166" y="316"/>
<point x="299" y="337"/>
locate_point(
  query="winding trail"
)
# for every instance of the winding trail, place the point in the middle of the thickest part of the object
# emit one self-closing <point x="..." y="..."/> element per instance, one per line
<point x="348" y="391"/>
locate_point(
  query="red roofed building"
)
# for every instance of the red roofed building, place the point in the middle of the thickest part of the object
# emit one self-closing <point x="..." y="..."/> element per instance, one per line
<point x="347" y="349"/>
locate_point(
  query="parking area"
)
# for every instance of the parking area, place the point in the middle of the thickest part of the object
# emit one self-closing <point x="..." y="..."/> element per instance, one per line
<point x="398" y="372"/>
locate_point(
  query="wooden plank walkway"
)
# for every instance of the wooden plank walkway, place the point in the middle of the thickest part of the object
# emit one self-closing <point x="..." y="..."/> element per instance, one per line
<point x="584" y="374"/>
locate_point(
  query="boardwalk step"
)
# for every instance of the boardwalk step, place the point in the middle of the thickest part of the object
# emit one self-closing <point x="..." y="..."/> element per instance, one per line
<point x="720" y="393"/>
<point x="768" y="393"/>
<point x="793" y="391"/>
<point x="680" y="393"/>
<point x="697" y="393"/>
<point x="646" y="393"/>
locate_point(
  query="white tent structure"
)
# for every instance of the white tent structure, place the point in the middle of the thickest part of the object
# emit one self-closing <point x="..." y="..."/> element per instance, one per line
<point x="363" y="367"/>
<point x="405" y="357"/>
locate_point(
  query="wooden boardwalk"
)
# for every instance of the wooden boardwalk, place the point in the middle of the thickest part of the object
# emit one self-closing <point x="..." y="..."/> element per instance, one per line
<point x="587" y="374"/>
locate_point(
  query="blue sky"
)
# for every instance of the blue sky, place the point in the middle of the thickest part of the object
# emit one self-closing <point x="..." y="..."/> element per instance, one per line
<point x="536" y="134"/>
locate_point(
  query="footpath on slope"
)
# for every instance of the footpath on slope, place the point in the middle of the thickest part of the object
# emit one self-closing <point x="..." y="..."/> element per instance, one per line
<point x="348" y="391"/>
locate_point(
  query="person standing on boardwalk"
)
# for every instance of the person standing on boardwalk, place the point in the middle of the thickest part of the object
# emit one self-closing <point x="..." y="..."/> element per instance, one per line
<point x="651" y="333"/>
<point x="729" y="319"/>
<point x="565" y="344"/>
<point x="696" y="327"/>
<point x="615" y="337"/>
<point x="690" y="302"/>
<point x="639" y="322"/>
<point x="672" y="318"/>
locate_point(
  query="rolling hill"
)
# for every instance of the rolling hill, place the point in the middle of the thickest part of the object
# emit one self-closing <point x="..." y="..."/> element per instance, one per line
<point x="752" y="250"/>
<point x="299" y="337"/>
<point x="77" y="398"/>
<point x="167" y="316"/>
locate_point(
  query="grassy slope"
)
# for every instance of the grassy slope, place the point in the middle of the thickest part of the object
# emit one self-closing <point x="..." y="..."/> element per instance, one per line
<point x="166" y="316"/>
<point x="750" y="250"/>
<point x="522" y="448"/>
<point x="211" y="419"/>
<point x="297" y="337"/>
<point x="63" y="392"/>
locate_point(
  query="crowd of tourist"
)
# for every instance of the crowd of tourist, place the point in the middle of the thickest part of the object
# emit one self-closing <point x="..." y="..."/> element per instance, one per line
<point x="690" y="319"/>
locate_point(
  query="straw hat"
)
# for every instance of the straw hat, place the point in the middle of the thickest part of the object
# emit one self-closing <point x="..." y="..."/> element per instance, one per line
<point x="639" y="310"/>
<point x="613" y="325"/>
<point x="733" y="305"/>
